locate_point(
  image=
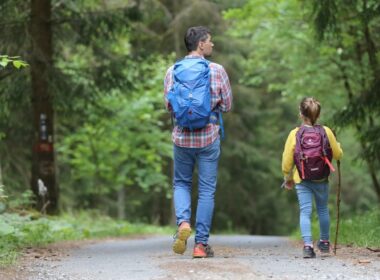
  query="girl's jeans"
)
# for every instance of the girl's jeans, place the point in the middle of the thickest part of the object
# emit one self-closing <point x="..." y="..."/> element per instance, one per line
<point x="185" y="160"/>
<point x="305" y="192"/>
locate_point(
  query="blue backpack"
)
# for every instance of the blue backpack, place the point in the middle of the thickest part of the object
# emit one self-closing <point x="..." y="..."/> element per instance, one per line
<point x="190" y="96"/>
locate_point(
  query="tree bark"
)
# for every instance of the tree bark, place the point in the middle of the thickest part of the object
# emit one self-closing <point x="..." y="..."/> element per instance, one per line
<point x="176" y="30"/>
<point x="1" y="175"/>
<point x="370" y="45"/>
<point x="43" y="161"/>
<point x="375" y="182"/>
<point x="121" y="203"/>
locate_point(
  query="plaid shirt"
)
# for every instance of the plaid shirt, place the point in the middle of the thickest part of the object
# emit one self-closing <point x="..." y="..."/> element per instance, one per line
<point x="221" y="100"/>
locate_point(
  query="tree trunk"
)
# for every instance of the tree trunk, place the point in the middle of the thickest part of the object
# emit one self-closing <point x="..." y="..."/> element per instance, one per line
<point x="375" y="182"/>
<point x="1" y="175"/>
<point x="370" y="44"/>
<point x="121" y="203"/>
<point x="43" y="164"/>
<point x="176" y="30"/>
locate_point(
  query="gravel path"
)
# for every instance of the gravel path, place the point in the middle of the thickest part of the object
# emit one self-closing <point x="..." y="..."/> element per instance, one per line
<point x="237" y="257"/>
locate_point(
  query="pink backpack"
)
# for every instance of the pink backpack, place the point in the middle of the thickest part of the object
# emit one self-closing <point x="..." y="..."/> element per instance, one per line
<point x="313" y="154"/>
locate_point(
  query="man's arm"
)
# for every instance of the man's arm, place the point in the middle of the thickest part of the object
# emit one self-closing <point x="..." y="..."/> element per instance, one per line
<point x="168" y="83"/>
<point x="226" y="92"/>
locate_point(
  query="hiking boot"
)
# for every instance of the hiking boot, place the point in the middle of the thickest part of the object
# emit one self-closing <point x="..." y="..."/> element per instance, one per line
<point x="203" y="251"/>
<point x="180" y="238"/>
<point x="324" y="246"/>
<point x="308" y="252"/>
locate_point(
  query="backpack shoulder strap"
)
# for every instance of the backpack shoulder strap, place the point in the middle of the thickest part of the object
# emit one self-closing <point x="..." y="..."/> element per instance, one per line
<point x="300" y="131"/>
<point x="175" y="67"/>
<point x="298" y="150"/>
<point x="325" y="146"/>
<point x="299" y="134"/>
<point x="325" y="139"/>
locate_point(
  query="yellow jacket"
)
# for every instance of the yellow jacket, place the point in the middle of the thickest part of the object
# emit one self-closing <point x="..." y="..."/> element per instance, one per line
<point x="287" y="156"/>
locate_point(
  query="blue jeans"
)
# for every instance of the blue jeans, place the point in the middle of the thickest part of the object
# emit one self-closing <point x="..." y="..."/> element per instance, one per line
<point x="185" y="160"/>
<point x="305" y="192"/>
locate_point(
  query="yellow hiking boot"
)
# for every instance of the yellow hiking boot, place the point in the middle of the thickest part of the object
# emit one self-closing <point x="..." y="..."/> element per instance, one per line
<point x="180" y="238"/>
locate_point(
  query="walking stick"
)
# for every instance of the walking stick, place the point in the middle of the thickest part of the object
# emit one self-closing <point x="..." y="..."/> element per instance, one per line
<point x="337" y="206"/>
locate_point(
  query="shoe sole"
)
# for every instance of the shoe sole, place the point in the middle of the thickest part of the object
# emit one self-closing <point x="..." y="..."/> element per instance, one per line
<point x="324" y="251"/>
<point x="308" y="257"/>
<point x="179" y="245"/>
<point x="202" y="256"/>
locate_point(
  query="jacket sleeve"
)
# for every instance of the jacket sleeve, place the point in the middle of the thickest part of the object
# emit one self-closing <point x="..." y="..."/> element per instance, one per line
<point x="287" y="156"/>
<point x="335" y="146"/>
<point x="225" y="90"/>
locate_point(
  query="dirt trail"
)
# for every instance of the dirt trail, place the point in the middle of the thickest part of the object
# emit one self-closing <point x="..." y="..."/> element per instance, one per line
<point x="237" y="257"/>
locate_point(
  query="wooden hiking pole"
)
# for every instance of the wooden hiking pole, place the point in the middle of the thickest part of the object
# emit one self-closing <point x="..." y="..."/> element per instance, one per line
<point x="337" y="206"/>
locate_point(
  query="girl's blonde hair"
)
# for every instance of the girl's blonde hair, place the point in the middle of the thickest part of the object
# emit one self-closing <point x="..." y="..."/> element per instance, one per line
<point x="310" y="108"/>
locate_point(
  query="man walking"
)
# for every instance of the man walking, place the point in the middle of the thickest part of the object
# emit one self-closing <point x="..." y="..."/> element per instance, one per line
<point x="191" y="83"/>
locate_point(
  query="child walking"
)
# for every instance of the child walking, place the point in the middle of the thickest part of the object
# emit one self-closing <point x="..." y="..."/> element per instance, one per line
<point x="306" y="163"/>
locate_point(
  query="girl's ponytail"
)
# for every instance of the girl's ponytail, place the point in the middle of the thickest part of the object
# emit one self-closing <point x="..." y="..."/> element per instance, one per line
<point x="310" y="108"/>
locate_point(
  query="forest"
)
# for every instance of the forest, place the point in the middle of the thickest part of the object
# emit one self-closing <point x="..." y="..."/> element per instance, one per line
<point x="83" y="126"/>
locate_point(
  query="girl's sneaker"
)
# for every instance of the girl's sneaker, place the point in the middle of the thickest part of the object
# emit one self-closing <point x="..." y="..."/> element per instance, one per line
<point x="308" y="252"/>
<point x="324" y="246"/>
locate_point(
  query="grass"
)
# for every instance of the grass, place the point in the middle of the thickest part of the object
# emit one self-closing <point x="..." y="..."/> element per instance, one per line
<point x="17" y="232"/>
<point x="360" y="230"/>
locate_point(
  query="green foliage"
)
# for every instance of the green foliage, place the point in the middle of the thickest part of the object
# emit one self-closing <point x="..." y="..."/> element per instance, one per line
<point x="2" y="196"/>
<point x="111" y="131"/>
<point x="2" y="199"/>
<point x="284" y="58"/>
<point x="122" y="143"/>
<point x="13" y="60"/>
<point x="361" y="230"/>
<point x="22" y="202"/>
<point x="353" y="28"/>
<point x="247" y="152"/>
<point x="105" y="95"/>
<point x="17" y="232"/>
<point x="280" y="62"/>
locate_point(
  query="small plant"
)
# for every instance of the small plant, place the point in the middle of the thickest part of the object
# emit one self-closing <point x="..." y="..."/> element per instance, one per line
<point x="2" y="199"/>
<point x="14" y="60"/>
<point x="2" y="196"/>
<point x="22" y="202"/>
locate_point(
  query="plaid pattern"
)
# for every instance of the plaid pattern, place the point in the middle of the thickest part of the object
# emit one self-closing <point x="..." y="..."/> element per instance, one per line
<point x="221" y="100"/>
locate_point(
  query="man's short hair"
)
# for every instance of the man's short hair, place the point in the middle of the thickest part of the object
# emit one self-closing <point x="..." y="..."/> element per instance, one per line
<point x="194" y="35"/>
